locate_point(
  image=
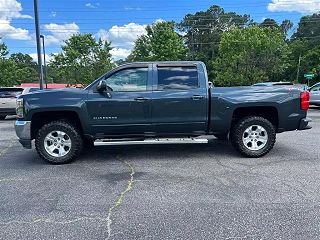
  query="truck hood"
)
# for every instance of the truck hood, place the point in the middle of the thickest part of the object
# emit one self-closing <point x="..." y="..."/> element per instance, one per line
<point x="55" y="91"/>
<point x="54" y="100"/>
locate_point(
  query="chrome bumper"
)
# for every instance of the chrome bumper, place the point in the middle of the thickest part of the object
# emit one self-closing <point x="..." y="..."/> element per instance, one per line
<point x="23" y="131"/>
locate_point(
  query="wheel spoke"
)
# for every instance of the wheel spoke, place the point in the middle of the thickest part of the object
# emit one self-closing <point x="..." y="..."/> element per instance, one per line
<point x="255" y="145"/>
<point x="50" y="138"/>
<point x="51" y="148"/>
<point x="246" y="140"/>
<point x="67" y="143"/>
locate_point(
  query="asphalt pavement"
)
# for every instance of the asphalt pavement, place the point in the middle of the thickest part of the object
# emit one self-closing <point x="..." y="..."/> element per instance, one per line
<point x="197" y="191"/>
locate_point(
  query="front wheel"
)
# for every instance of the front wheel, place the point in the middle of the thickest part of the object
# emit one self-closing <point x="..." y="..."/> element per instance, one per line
<point x="58" y="142"/>
<point x="253" y="136"/>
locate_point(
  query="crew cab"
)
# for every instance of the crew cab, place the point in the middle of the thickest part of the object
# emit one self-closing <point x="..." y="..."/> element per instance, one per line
<point x="157" y="101"/>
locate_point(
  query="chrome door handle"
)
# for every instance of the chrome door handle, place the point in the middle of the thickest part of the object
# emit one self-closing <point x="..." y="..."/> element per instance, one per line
<point x="197" y="97"/>
<point x="141" y="99"/>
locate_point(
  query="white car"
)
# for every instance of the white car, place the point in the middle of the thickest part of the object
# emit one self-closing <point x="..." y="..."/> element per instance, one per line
<point x="315" y="94"/>
<point x="8" y="99"/>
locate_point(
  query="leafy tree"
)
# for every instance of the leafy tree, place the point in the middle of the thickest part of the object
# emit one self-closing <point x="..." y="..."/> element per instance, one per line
<point x="3" y="50"/>
<point x="16" y="69"/>
<point x="309" y="29"/>
<point x="23" y="60"/>
<point x="269" y="22"/>
<point x="7" y="68"/>
<point x="82" y="60"/>
<point x="204" y="30"/>
<point x="26" y="67"/>
<point x="285" y="26"/>
<point x="161" y="43"/>
<point x="304" y="48"/>
<point x="305" y="57"/>
<point x="251" y="55"/>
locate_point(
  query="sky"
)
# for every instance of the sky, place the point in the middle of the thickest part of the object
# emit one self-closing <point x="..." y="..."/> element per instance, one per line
<point x="121" y="21"/>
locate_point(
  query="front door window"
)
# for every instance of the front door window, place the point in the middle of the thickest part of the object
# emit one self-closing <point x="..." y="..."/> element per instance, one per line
<point x="129" y="80"/>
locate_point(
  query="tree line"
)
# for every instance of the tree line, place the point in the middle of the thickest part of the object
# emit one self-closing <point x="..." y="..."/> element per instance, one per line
<point x="236" y="50"/>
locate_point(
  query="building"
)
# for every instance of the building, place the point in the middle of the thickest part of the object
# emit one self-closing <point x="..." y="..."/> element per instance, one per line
<point x="51" y="85"/>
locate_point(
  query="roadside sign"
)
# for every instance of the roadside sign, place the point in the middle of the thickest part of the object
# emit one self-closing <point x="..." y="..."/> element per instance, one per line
<point x="309" y="75"/>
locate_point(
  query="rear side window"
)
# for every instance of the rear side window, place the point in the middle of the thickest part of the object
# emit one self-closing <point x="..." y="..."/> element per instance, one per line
<point x="181" y="78"/>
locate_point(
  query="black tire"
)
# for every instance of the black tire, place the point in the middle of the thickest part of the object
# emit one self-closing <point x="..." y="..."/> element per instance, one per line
<point x="222" y="137"/>
<point x="238" y="130"/>
<point x="3" y="117"/>
<point x="73" y="133"/>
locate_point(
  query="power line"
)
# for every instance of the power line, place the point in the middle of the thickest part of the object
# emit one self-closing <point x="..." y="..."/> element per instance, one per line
<point x="188" y="43"/>
<point x="178" y="7"/>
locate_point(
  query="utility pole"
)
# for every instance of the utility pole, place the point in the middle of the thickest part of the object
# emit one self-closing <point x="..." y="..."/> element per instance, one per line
<point x="36" y="21"/>
<point x="44" y="61"/>
<point x="298" y="70"/>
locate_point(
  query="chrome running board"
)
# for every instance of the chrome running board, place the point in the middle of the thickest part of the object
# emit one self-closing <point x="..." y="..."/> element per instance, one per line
<point x="108" y="142"/>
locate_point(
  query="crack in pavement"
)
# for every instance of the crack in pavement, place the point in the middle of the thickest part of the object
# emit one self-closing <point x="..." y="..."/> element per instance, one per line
<point x="41" y="220"/>
<point x="121" y="196"/>
<point x="11" y="180"/>
<point x="108" y="219"/>
<point x="5" y="150"/>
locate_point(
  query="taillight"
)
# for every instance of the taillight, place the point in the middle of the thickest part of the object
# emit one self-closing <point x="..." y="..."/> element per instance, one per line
<point x="305" y="100"/>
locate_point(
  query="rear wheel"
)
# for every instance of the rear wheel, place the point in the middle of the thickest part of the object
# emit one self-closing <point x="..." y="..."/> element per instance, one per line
<point x="58" y="142"/>
<point x="253" y="136"/>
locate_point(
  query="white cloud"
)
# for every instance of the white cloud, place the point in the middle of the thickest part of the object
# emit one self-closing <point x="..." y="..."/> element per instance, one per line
<point x="92" y="5"/>
<point x="123" y="36"/>
<point x="35" y="57"/>
<point x="53" y="14"/>
<point x="9" y="32"/>
<point x="10" y="9"/>
<point x="133" y="8"/>
<point x="60" y="32"/>
<point x="120" y="53"/>
<point x="159" y="20"/>
<point x="302" y="6"/>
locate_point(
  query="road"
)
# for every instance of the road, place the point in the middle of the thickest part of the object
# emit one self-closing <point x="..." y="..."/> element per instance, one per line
<point x="163" y="191"/>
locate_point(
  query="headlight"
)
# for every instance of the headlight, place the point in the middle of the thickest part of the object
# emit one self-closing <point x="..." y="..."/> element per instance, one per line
<point x="20" y="108"/>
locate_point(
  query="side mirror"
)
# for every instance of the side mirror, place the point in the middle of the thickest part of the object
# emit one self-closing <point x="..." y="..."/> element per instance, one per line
<point x="102" y="86"/>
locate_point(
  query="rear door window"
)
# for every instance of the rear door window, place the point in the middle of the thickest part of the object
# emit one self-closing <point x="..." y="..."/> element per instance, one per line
<point x="179" y="78"/>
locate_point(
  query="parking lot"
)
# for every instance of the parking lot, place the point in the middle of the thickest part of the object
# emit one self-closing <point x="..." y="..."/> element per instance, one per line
<point x="163" y="191"/>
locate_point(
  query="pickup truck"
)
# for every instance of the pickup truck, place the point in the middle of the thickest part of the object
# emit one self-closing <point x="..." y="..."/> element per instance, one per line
<point x="157" y="101"/>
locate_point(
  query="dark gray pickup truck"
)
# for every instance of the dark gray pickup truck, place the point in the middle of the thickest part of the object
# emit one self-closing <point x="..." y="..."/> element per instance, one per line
<point x="159" y="101"/>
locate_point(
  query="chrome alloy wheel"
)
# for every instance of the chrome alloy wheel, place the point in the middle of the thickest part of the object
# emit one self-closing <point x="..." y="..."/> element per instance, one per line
<point x="255" y="138"/>
<point x="57" y="144"/>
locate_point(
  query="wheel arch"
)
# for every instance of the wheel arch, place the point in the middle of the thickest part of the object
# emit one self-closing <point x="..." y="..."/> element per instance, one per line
<point x="39" y="119"/>
<point x="268" y="112"/>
